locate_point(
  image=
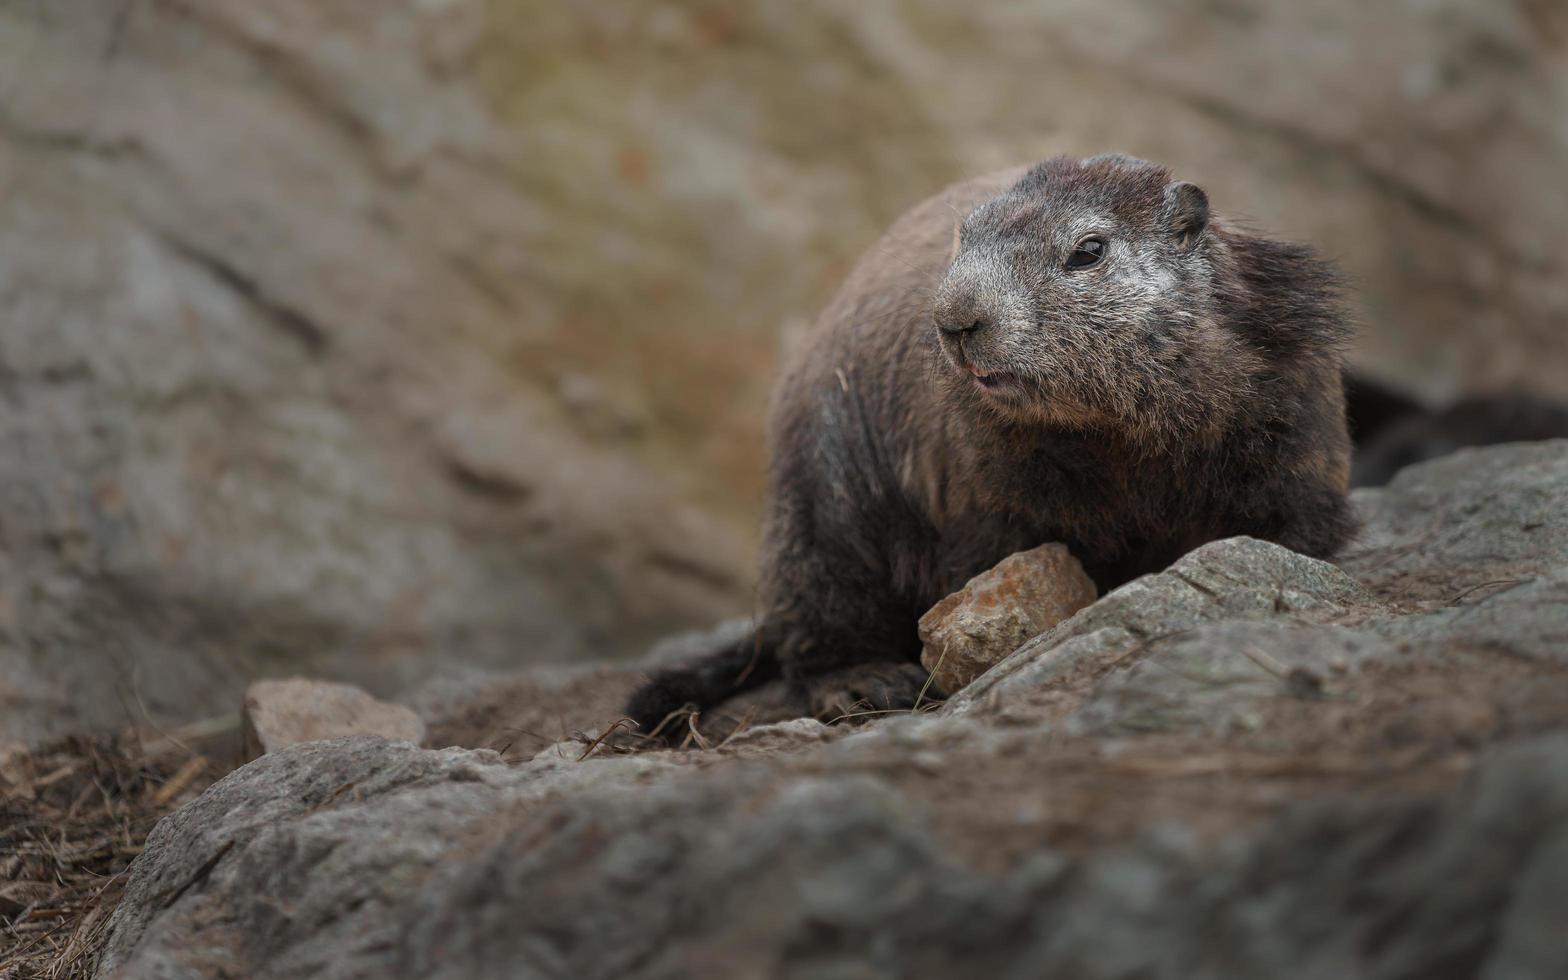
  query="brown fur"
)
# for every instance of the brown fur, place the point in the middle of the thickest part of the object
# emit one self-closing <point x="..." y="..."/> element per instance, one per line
<point x="1185" y="388"/>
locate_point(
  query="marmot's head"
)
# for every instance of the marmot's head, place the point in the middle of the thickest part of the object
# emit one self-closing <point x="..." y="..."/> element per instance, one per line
<point x="1089" y="296"/>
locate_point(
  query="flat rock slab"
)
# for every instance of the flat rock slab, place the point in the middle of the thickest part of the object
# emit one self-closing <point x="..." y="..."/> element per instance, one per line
<point x="1026" y="594"/>
<point x="280" y="713"/>
<point x="1475" y="520"/>
<point x="362" y="858"/>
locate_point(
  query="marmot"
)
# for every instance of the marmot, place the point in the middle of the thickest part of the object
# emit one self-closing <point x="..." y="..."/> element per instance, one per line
<point x="1079" y="352"/>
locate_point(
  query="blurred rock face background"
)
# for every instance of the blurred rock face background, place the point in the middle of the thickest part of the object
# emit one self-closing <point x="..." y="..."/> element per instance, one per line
<point x="380" y="340"/>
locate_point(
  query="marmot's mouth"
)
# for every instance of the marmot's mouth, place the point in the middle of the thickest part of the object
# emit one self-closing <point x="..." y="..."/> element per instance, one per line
<point x="990" y="379"/>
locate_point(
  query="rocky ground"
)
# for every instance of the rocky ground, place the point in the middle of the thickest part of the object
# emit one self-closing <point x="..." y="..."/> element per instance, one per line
<point x="1254" y="764"/>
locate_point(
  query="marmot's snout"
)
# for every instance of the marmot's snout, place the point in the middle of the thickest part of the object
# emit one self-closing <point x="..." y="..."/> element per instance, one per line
<point x="978" y="315"/>
<point x="963" y="305"/>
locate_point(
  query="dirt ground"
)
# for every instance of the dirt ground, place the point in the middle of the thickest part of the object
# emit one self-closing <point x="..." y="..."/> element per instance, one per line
<point x="73" y="815"/>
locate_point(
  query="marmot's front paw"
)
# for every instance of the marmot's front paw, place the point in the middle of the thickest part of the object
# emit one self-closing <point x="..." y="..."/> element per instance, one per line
<point x="867" y="690"/>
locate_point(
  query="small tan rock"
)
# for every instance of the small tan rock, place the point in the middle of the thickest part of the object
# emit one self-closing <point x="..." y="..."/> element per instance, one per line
<point x="284" y="712"/>
<point x="996" y="611"/>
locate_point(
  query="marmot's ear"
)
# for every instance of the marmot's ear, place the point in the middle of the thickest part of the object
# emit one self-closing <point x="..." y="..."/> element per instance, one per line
<point x="1186" y="212"/>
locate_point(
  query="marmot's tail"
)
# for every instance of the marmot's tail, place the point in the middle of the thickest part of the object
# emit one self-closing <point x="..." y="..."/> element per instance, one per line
<point x="747" y="664"/>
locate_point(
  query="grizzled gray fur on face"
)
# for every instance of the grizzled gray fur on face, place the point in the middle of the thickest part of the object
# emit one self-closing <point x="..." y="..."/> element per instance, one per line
<point x="1127" y="335"/>
<point x="1092" y="357"/>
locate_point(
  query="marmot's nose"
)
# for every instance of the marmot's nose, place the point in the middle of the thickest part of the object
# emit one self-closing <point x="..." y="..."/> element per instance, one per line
<point x="963" y="325"/>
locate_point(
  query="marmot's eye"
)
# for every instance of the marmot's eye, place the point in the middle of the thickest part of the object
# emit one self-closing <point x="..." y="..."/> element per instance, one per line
<point x="1087" y="253"/>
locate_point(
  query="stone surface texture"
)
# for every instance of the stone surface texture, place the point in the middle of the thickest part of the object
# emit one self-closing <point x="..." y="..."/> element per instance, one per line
<point x="1026" y="594"/>
<point x="1253" y="764"/>
<point x="281" y="713"/>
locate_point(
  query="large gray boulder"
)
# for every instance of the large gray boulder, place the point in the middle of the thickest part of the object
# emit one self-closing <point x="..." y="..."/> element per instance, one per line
<point x="369" y="859"/>
<point x="1254" y="764"/>
<point x="272" y="399"/>
<point x="1464" y="525"/>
